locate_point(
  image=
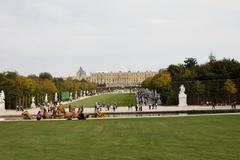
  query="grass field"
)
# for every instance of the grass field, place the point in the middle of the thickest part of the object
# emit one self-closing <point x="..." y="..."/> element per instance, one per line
<point x="179" y="138"/>
<point x="122" y="99"/>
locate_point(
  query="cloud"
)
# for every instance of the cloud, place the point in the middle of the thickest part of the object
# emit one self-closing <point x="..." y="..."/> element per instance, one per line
<point x="58" y="36"/>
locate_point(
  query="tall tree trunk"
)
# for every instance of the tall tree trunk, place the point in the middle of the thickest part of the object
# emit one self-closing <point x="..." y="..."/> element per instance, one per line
<point x="198" y="99"/>
<point x="229" y="99"/>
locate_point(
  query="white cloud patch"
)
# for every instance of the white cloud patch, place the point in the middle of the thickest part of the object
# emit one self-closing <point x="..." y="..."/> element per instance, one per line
<point x="58" y="36"/>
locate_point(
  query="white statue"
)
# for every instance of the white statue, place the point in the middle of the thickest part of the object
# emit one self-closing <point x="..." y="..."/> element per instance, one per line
<point x="2" y="101"/>
<point x="2" y="94"/>
<point x="182" y="89"/>
<point x="76" y="95"/>
<point x="84" y="93"/>
<point x="56" y="97"/>
<point x="33" y="103"/>
<point x="182" y="97"/>
<point x="71" y="97"/>
<point x="46" y="98"/>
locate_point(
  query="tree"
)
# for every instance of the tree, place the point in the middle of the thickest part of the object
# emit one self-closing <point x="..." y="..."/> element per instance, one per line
<point x="212" y="58"/>
<point x="162" y="79"/>
<point x="230" y="87"/>
<point x="190" y="62"/>
<point x="48" y="87"/>
<point x="147" y="83"/>
<point x="8" y="84"/>
<point x="161" y="82"/>
<point x="199" y="88"/>
<point x="33" y="76"/>
<point x="45" y="75"/>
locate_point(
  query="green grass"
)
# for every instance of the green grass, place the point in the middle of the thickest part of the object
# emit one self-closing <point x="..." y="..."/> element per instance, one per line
<point x="122" y="99"/>
<point x="179" y="138"/>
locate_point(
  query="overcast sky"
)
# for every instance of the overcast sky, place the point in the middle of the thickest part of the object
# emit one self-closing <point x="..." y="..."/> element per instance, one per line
<point x="59" y="36"/>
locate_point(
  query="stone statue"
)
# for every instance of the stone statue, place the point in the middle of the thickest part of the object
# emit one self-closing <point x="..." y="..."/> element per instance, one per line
<point x="76" y="95"/>
<point x="71" y="97"/>
<point x="84" y="93"/>
<point x="46" y="98"/>
<point x="56" y="97"/>
<point x="182" y="89"/>
<point x="81" y="93"/>
<point x="33" y="103"/>
<point x="2" y="101"/>
<point x="182" y="97"/>
<point x="2" y="94"/>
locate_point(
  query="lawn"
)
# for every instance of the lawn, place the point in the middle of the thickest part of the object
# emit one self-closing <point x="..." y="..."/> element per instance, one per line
<point x="179" y="138"/>
<point x="121" y="99"/>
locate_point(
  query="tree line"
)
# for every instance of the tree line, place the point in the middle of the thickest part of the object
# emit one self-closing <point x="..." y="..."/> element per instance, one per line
<point x="20" y="89"/>
<point x="215" y="81"/>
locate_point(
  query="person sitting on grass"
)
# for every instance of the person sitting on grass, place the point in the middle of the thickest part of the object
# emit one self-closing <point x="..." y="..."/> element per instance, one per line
<point x="26" y="115"/>
<point x="39" y="116"/>
<point x="81" y="116"/>
<point x="45" y="114"/>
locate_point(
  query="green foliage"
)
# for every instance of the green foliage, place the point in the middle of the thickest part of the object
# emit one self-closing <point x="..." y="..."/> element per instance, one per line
<point x="162" y="80"/>
<point x="147" y="83"/>
<point x="19" y="89"/>
<point x="230" y="86"/>
<point x="203" y="82"/>
<point x="212" y="58"/>
<point x="190" y="62"/>
<point x="45" y="75"/>
<point x="199" y="87"/>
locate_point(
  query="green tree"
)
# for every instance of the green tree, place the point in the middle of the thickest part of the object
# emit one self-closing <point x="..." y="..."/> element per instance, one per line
<point x="190" y="62"/>
<point x="45" y="75"/>
<point x="162" y="80"/>
<point x="49" y="88"/>
<point x="230" y="87"/>
<point x="147" y="83"/>
<point x="199" y="88"/>
<point x="212" y="58"/>
<point x="8" y="84"/>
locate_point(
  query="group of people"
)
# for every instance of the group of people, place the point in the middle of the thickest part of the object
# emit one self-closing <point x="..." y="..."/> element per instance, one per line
<point x="213" y="104"/>
<point x="148" y="98"/>
<point x="99" y="107"/>
<point x="19" y="108"/>
<point x="57" y="111"/>
<point x="139" y="107"/>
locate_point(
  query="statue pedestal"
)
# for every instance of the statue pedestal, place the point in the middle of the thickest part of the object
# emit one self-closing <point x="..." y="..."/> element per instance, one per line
<point x="2" y="106"/>
<point x="182" y="100"/>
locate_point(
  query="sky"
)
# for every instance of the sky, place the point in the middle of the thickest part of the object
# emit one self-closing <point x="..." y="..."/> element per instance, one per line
<point x="59" y="36"/>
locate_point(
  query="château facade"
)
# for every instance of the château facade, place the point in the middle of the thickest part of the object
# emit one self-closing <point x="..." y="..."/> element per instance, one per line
<point x="120" y="79"/>
<point x="115" y="79"/>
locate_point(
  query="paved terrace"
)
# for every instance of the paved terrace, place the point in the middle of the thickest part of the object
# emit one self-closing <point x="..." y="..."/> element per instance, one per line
<point x="126" y="110"/>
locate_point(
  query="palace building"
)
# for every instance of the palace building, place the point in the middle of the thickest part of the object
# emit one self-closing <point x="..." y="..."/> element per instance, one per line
<point x="81" y="74"/>
<point x="121" y="79"/>
<point x="115" y="79"/>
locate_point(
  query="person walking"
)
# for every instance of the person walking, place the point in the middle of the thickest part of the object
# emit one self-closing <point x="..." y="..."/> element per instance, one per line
<point x="136" y="108"/>
<point x="213" y="105"/>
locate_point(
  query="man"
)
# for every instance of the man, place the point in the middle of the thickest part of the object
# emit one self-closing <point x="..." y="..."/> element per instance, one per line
<point x="213" y="105"/>
<point x="136" y="108"/>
